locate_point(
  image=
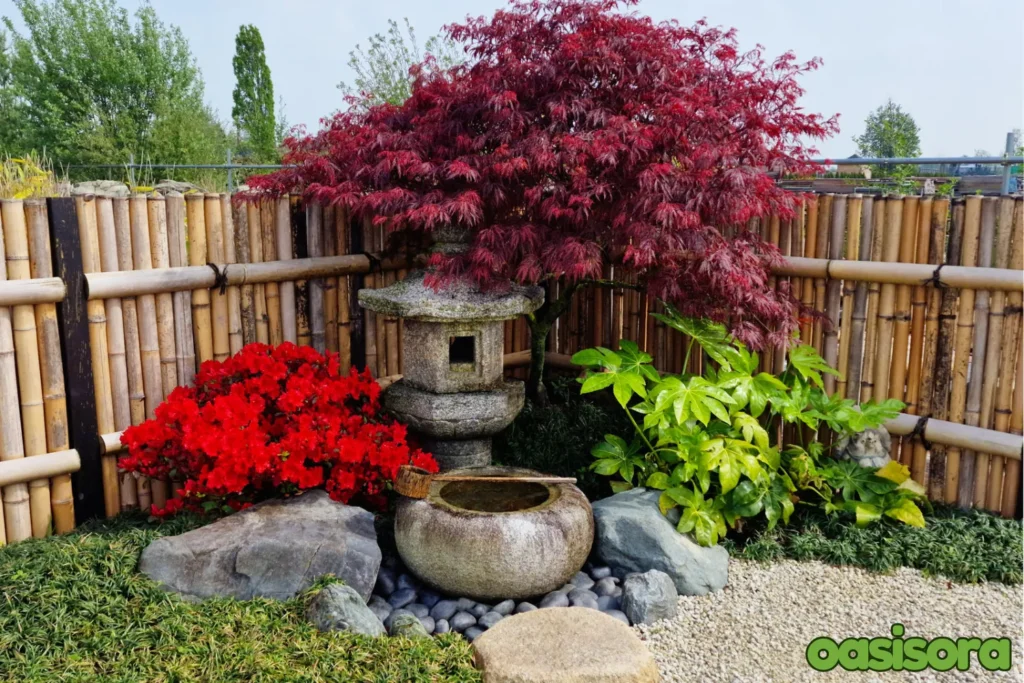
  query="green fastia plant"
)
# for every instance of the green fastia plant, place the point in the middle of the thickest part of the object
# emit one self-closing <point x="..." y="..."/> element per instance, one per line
<point x="712" y="443"/>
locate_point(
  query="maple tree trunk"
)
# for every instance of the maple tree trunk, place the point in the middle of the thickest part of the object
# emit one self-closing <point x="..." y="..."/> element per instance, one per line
<point x="540" y="322"/>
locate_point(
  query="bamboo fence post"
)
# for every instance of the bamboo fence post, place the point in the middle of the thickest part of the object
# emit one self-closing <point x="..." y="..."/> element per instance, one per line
<point x="936" y="241"/>
<point x="390" y="327"/>
<point x="771" y="232"/>
<point x="98" y="350"/>
<point x="272" y="290"/>
<point x="202" y="315"/>
<point x="160" y="254"/>
<point x="1006" y="500"/>
<point x="370" y="282"/>
<point x="252" y="211"/>
<point x="962" y="344"/>
<point x="133" y="351"/>
<point x="1016" y="427"/>
<point x="315" y="247"/>
<point x="853" y="215"/>
<point x="993" y="352"/>
<point x="798" y="244"/>
<point x="286" y="290"/>
<point x="874" y="289"/>
<point x="833" y="289"/>
<point x="944" y="355"/>
<point x="858" y="314"/>
<point x="821" y="251"/>
<point x="184" y="341"/>
<point x="26" y="354"/>
<point x="218" y="297"/>
<point x="919" y="298"/>
<point x="331" y="283"/>
<point x="901" y="313"/>
<point x="303" y="336"/>
<point x="149" y="343"/>
<point x="234" y="296"/>
<point x="17" y="513"/>
<point x="243" y="254"/>
<point x="887" y="299"/>
<point x="810" y="250"/>
<point x="784" y="285"/>
<point x="381" y="328"/>
<point x="51" y="370"/>
<point x="344" y="312"/>
<point x="116" y="348"/>
<point x="974" y="466"/>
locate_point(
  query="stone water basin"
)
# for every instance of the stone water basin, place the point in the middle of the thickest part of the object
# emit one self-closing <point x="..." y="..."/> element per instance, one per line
<point x="488" y="540"/>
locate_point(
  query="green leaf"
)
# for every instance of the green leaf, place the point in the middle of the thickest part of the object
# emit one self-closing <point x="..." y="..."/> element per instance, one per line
<point x="684" y="496"/>
<point x="597" y="381"/>
<point x="620" y="486"/>
<point x="605" y="467"/>
<point x="907" y="512"/>
<point x="712" y="337"/>
<point x="866" y="513"/>
<point x="666" y="502"/>
<point x="587" y="358"/>
<point x="751" y="429"/>
<point x="658" y="480"/>
<point x="626" y="470"/>
<point x="806" y="361"/>
<point x="894" y="471"/>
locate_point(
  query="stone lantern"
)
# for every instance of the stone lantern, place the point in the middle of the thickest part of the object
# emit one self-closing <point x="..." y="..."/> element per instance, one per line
<point x="453" y="393"/>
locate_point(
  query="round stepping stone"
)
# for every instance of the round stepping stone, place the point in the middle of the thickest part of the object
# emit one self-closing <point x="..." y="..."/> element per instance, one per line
<point x="563" y="645"/>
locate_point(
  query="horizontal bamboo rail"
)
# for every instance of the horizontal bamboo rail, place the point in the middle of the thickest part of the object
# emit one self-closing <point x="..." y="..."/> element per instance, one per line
<point x="183" y="278"/>
<point x="994" y="279"/>
<point x="42" y="290"/>
<point x="40" y="466"/>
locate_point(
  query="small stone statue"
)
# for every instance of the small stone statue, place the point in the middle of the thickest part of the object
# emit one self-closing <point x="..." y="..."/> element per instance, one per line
<point x="869" y="448"/>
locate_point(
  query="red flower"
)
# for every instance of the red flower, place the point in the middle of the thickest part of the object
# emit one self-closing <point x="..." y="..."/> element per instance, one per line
<point x="271" y="421"/>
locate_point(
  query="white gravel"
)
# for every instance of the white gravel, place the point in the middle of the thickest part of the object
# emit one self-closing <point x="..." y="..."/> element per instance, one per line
<point x="758" y="627"/>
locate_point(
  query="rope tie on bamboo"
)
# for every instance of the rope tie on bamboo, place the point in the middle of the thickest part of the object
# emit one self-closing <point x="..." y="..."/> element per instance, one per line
<point x="220" y="278"/>
<point x="828" y="270"/>
<point x="918" y="431"/>
<point x="936" y="279"/>
<point x="375" y="262"/>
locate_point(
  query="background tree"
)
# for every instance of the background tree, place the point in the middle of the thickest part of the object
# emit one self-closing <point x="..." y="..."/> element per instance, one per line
<point x="92" y="86"/>
<point x="579" y="137"/>
<point x="889" y="132"/>
<point x="253" y="110"/>
<point x="383" y="70"/>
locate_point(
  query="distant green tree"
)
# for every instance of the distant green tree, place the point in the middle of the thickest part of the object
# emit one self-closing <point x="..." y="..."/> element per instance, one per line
<point x="253" y="110"/>
<point x="383" y="70"/>
<point x="10" y="131"/>
<point x="92" y="86"/>
<point x="890" y="132"/>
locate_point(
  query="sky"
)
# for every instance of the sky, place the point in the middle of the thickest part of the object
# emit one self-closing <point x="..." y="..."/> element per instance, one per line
<point x="957" y="66"/>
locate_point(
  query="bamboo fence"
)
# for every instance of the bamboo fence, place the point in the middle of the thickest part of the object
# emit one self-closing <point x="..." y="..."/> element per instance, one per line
<point x="175" y="281"/>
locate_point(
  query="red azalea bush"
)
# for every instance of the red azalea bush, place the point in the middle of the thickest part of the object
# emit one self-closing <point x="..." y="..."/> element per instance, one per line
<point x="271" y="421"/>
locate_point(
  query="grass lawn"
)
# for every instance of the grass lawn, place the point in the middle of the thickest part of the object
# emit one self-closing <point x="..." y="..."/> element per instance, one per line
<point x="73" y="608"/>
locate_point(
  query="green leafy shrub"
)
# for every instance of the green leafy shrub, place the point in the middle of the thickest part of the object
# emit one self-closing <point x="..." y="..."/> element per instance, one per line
<point x="713" y="443"/>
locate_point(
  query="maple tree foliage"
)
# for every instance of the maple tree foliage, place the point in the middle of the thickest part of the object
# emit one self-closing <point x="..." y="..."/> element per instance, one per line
<point x="581" y="134"/>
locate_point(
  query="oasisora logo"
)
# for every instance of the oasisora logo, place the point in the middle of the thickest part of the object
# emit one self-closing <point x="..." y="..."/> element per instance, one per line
<point x="908" y="654"/>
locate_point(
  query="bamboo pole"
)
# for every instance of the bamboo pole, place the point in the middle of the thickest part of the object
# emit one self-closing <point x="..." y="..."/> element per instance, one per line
<point x="133" y="354"/>
<point x="149" y="343"/>
<point x="252" y="211"/>
<point x="771" y="232"/>
<point x="874" y="289"/>
<point x="381" y="329"/>
<point x="247" y="293"/>
<point x="1016" y="427"/>
<point x="944" y="354"/>
<point x="86" y="206"/>
<point x="286" y="290"/>
<point x="159" y="245"/>
<point x="936" y="240"/>
<point x="315" y="247"/>
<point x="1010" y="356"/>
<point x="810" y="251"/>
<point x="370" y="327"/>
<point x="234" y="296"/>
<point x="300" y="250"/>
<point x="389" y="332"/>
<point x="202" y="315"/>
<point x="784" y="285"/>
<point x="974" y="466"/>
<point x="344" y="314"/>
<point x="919" y="298"/>
<point x="798" y="240"/>
<point x="116" y="348"/>
<point x="858" y="306"/>
<point x="962" y="343"/>
<point x="993" y="354"/>
<point x="272" y="290"/>
<point x="331" y="283"/>
<point x="35" y="291"/>
<point x="218" y="297"/>
<point x="853" y="214"/>
<point x="901" y="327"/>
<point x="887" y="300"/>
<point x="26" y="354"/>
<point x="62" y="502"/>
<point x="821" y="251"/>
<point x="184" y="340"/>
<point x="54" y="465"/>
<point x="910" y="274"/>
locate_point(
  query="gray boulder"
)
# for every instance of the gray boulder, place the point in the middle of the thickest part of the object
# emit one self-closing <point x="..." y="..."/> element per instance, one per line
<point x="648" y="597"/>
<point x="102" y="188"/>
<point x="631" y="535"/>
<point x="409" y="626"/>
<point x="275" y="549"/>
<point x="341" y="608"/>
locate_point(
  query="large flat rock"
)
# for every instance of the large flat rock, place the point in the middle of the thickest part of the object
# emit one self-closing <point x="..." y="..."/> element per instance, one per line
<point x="564" y="645"/>
<point x="275" y="549"/>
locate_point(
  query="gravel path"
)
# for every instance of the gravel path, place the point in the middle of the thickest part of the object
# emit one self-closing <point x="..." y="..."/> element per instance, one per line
<point x="758" y="628"/>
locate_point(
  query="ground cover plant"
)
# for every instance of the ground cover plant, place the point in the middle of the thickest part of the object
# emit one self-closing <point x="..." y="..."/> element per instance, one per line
<point x="270" y="421"/>
<point x="74" y="608"/>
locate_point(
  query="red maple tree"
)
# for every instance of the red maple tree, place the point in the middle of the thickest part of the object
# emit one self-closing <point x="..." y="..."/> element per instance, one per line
<point x="581" y="135"/>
